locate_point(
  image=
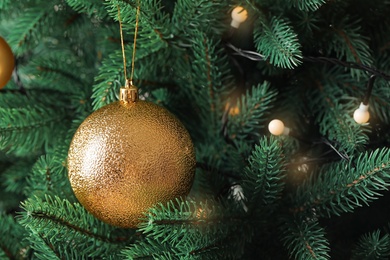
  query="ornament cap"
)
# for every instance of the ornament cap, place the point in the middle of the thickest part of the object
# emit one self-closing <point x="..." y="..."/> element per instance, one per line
<point x="128" y="94"/>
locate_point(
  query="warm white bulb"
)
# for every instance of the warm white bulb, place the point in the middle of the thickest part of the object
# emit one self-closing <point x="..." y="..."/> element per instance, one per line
<point x="361" y="115"/>
<point x="276" y="127"/>
<point x="239" y="15"/>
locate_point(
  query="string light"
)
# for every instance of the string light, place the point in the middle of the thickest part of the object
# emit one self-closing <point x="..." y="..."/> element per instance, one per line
<point x="255" y="56"/>
<point x="361" y="115"/>
<point x="234" y="111"/>
<point x="239" y="15"/>
<point x="276" y="127"/>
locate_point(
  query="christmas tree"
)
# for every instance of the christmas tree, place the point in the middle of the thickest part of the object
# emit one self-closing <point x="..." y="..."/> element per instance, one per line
<point x="310" y="185"/>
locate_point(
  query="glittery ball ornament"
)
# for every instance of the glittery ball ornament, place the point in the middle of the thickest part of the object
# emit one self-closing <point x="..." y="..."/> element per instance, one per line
<point x="128" y="156"/>
<point x="7" y="62"/>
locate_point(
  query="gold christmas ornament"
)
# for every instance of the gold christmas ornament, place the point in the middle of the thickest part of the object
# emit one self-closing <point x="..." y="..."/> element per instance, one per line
<point x="128" y="156"/>
<point x="7" y="62"/>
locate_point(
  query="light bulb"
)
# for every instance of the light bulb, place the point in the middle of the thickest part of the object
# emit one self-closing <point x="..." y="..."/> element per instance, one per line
<point x="361" y="115"/>
<point x="239" y="15"/>
<point x="276" y="127"/>
<point x="234" y="111"/>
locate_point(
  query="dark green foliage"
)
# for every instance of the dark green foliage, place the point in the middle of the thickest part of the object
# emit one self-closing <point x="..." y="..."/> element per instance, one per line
<point x="278" y="42"/>
<point x="263" y="176"/>
<point x="343" y="186"/>
<point x="305" y="239"/>
<point x="182" y="220"/>
<point x="187" y="230"/>
<point x="4" y="4"/>
<point x="13" y="179"/>
<point x="32" y="20"/>
<point x="378" y="104"/>
<point x="333" y="111"/>
<point x="50" y="219"/>
<point x="24" y="131"/>
<point x="247" y="118"/>
<point x="209" y="67"/>
<point x="203" y="75"/>
<point x="307" y="5"/>
<point x="92" y="8"/>
<point x="375" y="245"/>
<point x="348" y="43"/>
<point x="12" y="239"/>
<point x="49" y="176"/>
<point x="201" y="13"/>
<point x="254" y="196"/>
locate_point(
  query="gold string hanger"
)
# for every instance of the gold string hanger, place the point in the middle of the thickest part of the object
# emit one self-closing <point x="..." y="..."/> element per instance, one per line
<point x="129" y="93"/>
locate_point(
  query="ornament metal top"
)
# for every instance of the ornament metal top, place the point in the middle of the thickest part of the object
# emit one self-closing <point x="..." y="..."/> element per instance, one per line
<point x="128" y="156"/>
<point x="129" y="93"/>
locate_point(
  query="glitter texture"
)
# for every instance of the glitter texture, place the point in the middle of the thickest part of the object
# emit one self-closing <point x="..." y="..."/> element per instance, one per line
<point x="125" y="158"/>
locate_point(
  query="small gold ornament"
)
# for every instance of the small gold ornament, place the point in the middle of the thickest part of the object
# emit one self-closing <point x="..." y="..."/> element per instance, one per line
<point x="7" y="62"/>
<point x="126" y="157"/>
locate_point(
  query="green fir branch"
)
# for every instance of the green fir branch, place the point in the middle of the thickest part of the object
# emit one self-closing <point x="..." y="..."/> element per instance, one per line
<point x="262" y="180"/>
<point x="151" y="249"/>
<point x="187" y="83"/>
<point x="201" y="14"/>
<point x="30" y="26"/>
<point x="49" y="177"/>
<point x="54" y="72"/>
<point x="148" y="249"/>
<point x="340" y="127"/>
<point x="91" y="7"/>
<point x="378" y="103"/>
<point x="12" y="239"/>
<point x="13" y="179"/>
<point x="346" y="185"/>
<point x="46" y="249"/>
<point x="372" y="246"/>
<point x="307" y="5"/>
<point x="247" y="118"/>
<point x="278" y="43"/>
<point x="152" y="19"/>
<point x="28" y="129"/>
<point x="333" y="111"/>
<point x="211" y="81"/>
<point x="349" y="43"/>
<point x="308" y="23"/>
<point x="180" y="220"/>
<point x="305" y="239"/>
<point x="50" y="219"/>
<point x="188" y="230"/>
<point x="4" y="4"/>
<point x="31" y="98"/>
<point x="218" y="165"/>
